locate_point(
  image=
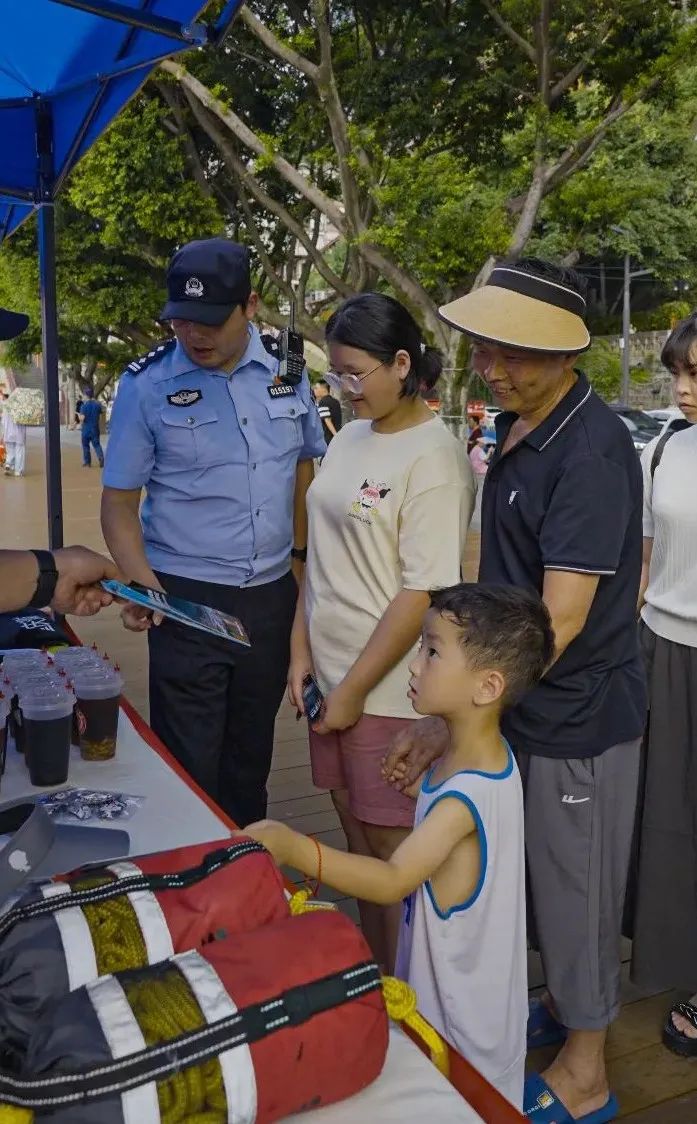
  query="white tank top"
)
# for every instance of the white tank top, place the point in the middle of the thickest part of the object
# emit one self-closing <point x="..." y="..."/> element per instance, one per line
<point x="469" y="964"/>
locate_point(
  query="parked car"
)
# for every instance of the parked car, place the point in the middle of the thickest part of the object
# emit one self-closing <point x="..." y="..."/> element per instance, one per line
<point x="671" y="418"/>
<point x="641" y="425"/>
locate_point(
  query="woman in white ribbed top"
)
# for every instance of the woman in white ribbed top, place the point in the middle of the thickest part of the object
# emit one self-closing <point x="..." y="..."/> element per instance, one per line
<point x="665" y="927"/>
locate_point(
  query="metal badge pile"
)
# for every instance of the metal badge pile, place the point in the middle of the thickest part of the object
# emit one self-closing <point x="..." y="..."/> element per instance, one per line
<point x="90" y="804"/>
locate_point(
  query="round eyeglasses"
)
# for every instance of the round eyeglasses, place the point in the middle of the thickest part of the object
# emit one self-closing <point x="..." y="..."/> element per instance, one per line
<point x="350" y="382"/>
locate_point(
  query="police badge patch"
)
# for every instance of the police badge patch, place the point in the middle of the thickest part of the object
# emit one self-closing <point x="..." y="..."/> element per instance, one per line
<point x="193" y="287"/>
<point x="184" y="397"/>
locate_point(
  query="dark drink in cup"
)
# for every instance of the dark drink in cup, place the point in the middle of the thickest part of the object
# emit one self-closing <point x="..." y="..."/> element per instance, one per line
<point x="97" y="697"/>
<point x="47" y="719"/>
<point x="28" y="679"/>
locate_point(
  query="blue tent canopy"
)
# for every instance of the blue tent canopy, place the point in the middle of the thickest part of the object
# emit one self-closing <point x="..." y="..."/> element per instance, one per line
<point x="67" y="68"/>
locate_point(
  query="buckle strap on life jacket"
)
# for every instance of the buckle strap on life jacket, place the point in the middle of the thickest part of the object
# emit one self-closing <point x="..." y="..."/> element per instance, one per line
<point x="214" y="860"/>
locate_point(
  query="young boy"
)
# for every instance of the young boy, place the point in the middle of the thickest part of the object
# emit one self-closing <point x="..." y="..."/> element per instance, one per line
<point x="461" y="871"/>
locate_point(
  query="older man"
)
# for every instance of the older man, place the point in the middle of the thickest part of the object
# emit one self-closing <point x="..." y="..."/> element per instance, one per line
<point x="562" y="515"/>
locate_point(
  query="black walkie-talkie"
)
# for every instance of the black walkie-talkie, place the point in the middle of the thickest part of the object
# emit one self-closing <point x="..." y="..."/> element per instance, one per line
<point x="291" y="350"/>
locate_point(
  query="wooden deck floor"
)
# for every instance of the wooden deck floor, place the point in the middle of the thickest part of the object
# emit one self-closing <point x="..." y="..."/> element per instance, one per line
<point x="654" y="1086"/>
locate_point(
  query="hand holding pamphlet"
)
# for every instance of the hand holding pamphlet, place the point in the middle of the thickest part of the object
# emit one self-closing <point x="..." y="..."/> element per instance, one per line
<point x="187" y="613"/>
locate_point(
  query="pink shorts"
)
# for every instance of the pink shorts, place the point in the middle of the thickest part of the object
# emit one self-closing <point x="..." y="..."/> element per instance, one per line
<point x="352" y="759"/>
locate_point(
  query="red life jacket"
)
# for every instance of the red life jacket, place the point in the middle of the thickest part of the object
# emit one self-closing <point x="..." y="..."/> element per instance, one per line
<point x="246" y="1031"/>
<point x="68" y="931"/>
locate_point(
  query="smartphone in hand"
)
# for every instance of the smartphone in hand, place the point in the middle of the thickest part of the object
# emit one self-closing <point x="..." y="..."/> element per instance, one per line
<point x="313" y="699"/>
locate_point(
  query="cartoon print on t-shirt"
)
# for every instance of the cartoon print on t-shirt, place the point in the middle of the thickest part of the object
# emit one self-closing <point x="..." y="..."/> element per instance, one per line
<point x="364" y="507"/>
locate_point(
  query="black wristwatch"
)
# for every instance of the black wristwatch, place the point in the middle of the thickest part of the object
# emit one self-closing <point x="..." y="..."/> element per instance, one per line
<point x="301" y="555"/>
<point x="47" y="580"/>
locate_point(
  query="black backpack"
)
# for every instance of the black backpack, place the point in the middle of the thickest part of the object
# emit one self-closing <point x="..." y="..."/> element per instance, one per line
<point x="30" y="628"/>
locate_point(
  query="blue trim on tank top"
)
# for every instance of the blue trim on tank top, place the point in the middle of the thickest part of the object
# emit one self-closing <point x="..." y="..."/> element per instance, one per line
<point x="426" y="787"/>
<point x="483" y="847"/>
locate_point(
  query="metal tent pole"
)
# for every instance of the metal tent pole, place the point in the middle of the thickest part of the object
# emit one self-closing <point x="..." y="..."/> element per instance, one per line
<point x="123" y="13"/>
<point x="626" y="328"/>
<point x="49" y="334"/>
<point x="49" y="318"/>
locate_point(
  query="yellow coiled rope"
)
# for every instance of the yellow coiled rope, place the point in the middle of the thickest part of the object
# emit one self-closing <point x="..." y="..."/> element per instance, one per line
<point x="116" y="934"/>
<point x="301" y="902"/>
<point x="165" y="1007"/>
<point x="11" y="1115"/>
<point x="400" y="1000"/>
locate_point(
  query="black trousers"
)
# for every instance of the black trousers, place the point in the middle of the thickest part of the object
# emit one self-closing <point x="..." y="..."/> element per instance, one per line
<point x="213" y="703"/>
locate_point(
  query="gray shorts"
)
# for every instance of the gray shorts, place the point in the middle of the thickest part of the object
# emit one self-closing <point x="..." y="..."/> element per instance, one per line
<point x="579" y="821"/>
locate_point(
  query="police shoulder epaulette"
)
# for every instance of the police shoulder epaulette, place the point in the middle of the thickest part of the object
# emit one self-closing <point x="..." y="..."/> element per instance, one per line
<point x="139" y="365"/>
<point x="271" y="344"/>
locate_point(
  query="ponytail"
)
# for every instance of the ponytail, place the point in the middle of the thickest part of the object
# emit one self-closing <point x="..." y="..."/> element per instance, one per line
<point x="380" y="325"/>
<point x="428" y="370"/>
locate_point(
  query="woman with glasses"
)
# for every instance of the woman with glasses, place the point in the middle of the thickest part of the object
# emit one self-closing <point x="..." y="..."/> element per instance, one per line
<point x="388" y="514"/>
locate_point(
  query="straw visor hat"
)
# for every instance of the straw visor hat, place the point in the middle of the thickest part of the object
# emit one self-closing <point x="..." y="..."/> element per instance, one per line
<point x="517" y="309"/>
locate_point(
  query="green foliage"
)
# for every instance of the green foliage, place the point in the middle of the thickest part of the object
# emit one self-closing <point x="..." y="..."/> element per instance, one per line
<point x="443" y="124"/>
<point x="136" y="186"/>
<point x="438" y="220"/>
<point x="662" y="318"/>
<point x="602" y="364"/>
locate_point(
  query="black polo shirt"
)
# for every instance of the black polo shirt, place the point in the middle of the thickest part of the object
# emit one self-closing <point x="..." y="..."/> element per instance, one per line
<point x="569" y="497"/>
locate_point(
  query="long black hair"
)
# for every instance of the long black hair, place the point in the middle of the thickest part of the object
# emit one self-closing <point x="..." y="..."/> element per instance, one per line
<point x="380" y="325"/>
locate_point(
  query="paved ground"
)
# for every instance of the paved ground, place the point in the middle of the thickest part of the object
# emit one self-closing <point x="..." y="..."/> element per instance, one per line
<point x="654" y="1086"/>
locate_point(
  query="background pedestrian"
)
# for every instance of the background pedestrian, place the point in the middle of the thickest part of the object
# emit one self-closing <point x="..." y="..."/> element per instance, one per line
<point x="90" y="412"/>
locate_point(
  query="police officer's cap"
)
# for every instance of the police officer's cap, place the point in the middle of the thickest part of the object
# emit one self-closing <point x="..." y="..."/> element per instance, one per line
<point x="12" y="324"/>
<point x="206" y="280"/>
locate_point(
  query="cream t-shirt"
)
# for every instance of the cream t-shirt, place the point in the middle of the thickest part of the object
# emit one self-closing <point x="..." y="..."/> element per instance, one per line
<point x="387" y="511"/>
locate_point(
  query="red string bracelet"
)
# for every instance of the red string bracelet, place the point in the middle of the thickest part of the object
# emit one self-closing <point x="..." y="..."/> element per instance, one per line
<point x="318" y="880"/>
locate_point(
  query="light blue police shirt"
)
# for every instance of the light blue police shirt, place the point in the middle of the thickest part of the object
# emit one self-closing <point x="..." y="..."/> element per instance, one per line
<point x="217" y="456"/>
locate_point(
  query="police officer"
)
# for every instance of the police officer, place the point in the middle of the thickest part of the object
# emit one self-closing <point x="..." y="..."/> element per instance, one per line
<point x="224" y="453"/>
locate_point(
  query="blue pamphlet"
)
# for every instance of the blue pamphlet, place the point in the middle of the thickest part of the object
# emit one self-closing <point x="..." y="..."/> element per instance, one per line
<point x="188" y="613"/>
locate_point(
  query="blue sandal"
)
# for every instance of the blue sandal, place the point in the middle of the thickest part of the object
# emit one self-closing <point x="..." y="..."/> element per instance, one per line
<point x="543" y="1028"/>
<point x="542" y="1106"/>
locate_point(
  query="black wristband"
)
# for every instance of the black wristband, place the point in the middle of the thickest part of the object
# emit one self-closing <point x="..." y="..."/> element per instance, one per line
<point x="301" y="555"/>
<point x="47" y="580"/>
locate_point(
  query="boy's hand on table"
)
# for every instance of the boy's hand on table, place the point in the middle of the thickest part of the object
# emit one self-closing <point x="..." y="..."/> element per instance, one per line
<point x="277" y="837"/>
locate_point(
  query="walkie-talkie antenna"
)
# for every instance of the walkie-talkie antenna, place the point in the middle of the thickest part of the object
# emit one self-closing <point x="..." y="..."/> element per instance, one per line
<point x="291" y="318"/>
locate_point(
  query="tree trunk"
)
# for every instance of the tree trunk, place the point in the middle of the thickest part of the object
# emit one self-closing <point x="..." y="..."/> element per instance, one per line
<point x="452" y="369"/>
